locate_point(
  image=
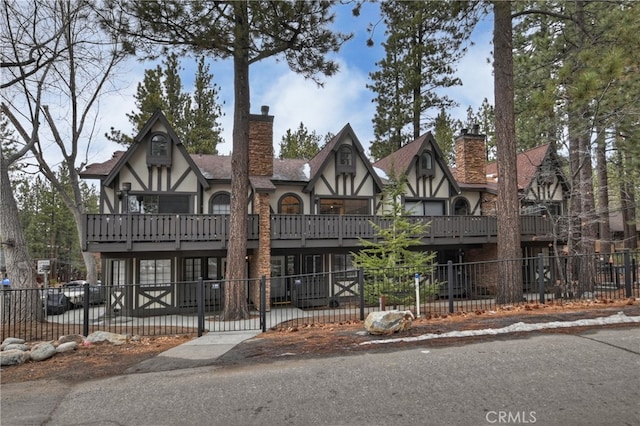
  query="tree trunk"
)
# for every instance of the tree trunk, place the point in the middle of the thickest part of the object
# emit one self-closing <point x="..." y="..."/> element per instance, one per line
<point x="235" y="294"/>
<point x="508" y="212"/>
<point x="603" y="192"/>
<point x="20" y="268"/>
<point x="628" y="203"/>
<point x="580" y="132"/>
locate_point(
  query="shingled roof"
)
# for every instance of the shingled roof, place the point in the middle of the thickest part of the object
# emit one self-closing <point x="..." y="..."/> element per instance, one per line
<point x="528" y="163"/>
<point x="213" y="167"/>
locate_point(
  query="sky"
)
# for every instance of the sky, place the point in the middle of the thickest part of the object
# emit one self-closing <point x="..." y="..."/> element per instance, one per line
<point x="344" y="97"/>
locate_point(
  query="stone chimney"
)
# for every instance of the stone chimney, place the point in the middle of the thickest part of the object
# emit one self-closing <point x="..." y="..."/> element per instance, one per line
<point x="261" y="143"/>
<point x="471" y="165"/>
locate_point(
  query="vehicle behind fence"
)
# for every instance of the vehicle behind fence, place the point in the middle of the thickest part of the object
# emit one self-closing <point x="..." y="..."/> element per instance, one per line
<point x="195" y="307"/>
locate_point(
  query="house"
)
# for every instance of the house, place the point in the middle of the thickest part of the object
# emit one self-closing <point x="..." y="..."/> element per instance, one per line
<point x="163" y="220"/>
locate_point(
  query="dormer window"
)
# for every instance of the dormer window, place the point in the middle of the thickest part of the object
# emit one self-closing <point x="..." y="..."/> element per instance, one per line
<point x="345" y="163"/>
<point x="159" y="150"/>
<point x="425" y="165"/>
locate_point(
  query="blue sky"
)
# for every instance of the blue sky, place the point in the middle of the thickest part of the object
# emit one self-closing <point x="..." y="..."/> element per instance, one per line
<point x="343" y="99"/>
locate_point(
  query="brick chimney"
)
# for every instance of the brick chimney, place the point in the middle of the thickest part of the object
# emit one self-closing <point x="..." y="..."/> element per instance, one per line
<point x="471" y="163"/>
<point x="261" y="143"/>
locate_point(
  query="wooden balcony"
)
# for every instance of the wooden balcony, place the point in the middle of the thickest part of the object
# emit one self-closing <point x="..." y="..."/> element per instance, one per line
<point x="180" y="232"/>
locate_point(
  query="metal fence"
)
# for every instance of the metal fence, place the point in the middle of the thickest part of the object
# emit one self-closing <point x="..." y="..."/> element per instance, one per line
<point x="294" y="301"/>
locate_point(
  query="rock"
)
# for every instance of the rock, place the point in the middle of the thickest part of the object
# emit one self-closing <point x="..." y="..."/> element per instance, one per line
<point x="13" y="357"/>
<point x="42" y="351"/>
<point x="18" y="346"/>
<point x="10" y="340"/>
<point x="101" y="336"/>
<point x="78" y="338"/>
<point x="67" y="347"/>
<point x="388" y="322"/>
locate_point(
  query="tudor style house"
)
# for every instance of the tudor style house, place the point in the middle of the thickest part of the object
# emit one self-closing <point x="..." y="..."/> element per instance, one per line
<point x="164" y="212"/>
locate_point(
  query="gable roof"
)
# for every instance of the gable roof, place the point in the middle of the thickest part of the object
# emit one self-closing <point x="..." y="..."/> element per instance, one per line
<point x="402" y="160"/>
<point x="157" y="116"/>
<point x="528" y="164"/>
<point x="318" y="163"/>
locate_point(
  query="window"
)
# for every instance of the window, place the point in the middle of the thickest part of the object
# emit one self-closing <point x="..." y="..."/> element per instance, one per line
<point x="155" y="271"/>
<point x="221" y="203"/>
<point x="118" y="272"/>
<point x="461" y="207"/>
<point x="159" y="150"/>
<point x="425" y="166"/>
<point x="150" y="204"/>
<point x="424" y="207"/>
<point x="290" y="204"/>
<point x="192" y="268"/>
<point x="345" y="163"/>
<point x="344" y="206"/>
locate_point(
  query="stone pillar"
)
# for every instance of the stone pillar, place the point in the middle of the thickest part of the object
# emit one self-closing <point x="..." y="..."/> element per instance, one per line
<point x="260" y="260"/>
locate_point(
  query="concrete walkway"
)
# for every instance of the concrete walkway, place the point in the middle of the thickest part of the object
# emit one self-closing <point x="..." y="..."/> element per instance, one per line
<point x="199" y="352"/>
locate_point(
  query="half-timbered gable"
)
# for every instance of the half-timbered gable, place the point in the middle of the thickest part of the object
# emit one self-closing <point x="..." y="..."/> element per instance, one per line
<point x="342" y="180"/>
<point x="430" y="185"/>
<point x="542" y="186"/>
<point x="155" y="175"/>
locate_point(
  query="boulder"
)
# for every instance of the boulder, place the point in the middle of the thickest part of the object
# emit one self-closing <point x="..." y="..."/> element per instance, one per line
<point x="388" y="322"/>
<point x="18" y="346"/>
<point x="78" y="338"/>
<point x="9" y="341"/>
<point x="13" y="357"/>
<point x="67" y="347"/>
<point x="101" y="336"/>
<point x="43" y="351"/>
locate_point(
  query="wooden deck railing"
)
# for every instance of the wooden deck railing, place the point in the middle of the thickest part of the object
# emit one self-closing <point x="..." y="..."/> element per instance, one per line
<point x="176" y="229"/>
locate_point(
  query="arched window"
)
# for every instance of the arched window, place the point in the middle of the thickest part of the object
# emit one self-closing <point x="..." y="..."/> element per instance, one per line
<point x="461" y="207"/>
<point x="290" y="204"/>
<point x="425" y="166"/>
<point x="159" y="152"/>
<point x="345" y="162"/>
<point x="221" y="203"/>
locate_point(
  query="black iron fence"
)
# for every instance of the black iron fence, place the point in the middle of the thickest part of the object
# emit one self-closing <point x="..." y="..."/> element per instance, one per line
<point x="196" y="307"/>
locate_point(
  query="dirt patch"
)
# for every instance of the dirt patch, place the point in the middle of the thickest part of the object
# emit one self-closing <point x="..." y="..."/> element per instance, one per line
<point x="311" y="340"/>
<point x="316" y="340"/>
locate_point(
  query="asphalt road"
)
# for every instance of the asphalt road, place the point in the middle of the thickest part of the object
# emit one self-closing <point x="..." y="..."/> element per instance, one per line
<point x="592" y="378"/>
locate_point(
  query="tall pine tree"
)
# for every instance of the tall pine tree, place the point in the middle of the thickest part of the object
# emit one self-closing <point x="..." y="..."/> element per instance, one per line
<point x="424" y="41"/>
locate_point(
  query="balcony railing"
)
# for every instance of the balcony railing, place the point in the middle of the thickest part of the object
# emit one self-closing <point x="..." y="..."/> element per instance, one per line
<point x="185" y="231"/>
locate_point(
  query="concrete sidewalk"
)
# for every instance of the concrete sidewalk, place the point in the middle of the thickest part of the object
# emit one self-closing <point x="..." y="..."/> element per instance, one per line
<point x="199" y="352"/>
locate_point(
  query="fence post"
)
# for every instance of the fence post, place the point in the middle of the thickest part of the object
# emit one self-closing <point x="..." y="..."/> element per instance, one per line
<point x="627" y="273"/>
<point x="361" y="291"/>
<point x="541" y="277"/>
<point x="200" y="300"/>
<point x="263" y="303"/>
<point x="85" y="309"/>
<point x="450" y="284"/>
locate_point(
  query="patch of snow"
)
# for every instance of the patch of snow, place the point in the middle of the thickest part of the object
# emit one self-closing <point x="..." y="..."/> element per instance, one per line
<point x="380" y="173"/>
<point x="306" y="169"/>
<point x="619" y="318"/>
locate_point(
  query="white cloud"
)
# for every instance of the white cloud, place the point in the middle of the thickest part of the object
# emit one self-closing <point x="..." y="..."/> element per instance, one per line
<point x="292" y="99"/>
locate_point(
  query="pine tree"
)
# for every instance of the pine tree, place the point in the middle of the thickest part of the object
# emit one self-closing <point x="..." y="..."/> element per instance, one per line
<point x="194" y="117"/>
<point x="391" y="260"/>
<point x="445" y="129"/>
<point x="424" y="41"/>
<point x="300" y="144"/>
